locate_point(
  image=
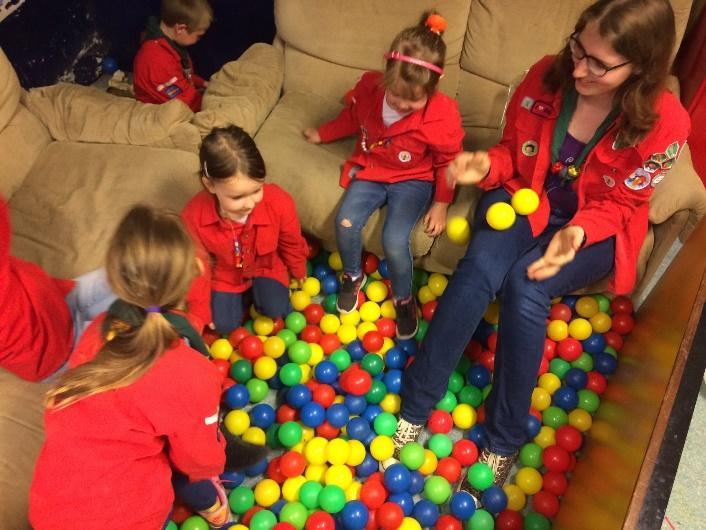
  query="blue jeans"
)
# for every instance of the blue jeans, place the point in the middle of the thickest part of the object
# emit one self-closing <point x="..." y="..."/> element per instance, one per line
<point x="406" y="203"/>
<point x="271" y="298"/>
<point x="496" y="264"/>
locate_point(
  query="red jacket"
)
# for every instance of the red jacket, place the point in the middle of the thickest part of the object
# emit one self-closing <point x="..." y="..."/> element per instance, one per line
<point x="419" y="147"/>
<point x="615" y="184"/>
<point x="36" y="330"/>
<point x="272" y="246"/>
<point x="159" y="77"/>
<point x="107" y="459"/>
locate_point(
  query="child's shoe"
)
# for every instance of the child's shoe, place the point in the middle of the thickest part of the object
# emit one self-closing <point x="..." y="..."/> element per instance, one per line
<point x="406" y="432"/>
<point x="501" y="465"/>
<point x="407" y="324"/>
<point x="218" y="516"/>
<point x="240" y="454"/>
<point x="348" y="293"/>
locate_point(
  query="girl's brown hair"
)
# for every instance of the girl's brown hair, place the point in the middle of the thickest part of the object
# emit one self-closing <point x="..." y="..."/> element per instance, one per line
<point x="227" y="151"/>
<point x="422" y="43"/>
<point x="196" y="14"/>
<point x="643" y="31"/>
<point x="150" y="262"/>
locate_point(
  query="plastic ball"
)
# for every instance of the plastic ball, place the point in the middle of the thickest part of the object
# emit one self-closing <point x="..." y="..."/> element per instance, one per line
<point x="299" y="300"/>
<point x="447" y="522"/>
<point x="410" y="524"/>
<point x="237" y="396"/>
<point x="412" y="455"/>
<point x="546" y="504"/>
<point x="376" y="291"/>
<point x="525" y="201"/>
<point x="356" y="453"/>
<point x="265" y="367"/>
<point x="480" y="476"/>
<point x="294" y="513"/>
<point x="557" y="330"/>
<point x="267" y="492"/>
<point x="437" y="489"/>
<point x="500" y="216"/>
<point x="464" y="416"/>
<point x="588" y="400"/>
<point x="109" y="65"/>
<point x="311" y="286"/>
<point x="458" y="230"/>
<point x="586" y="306"/>
<point x="337" y="451"/>
<point x="237" y="422"/>
<point x="332" y="499"/>
<point x="440" y="444"/>
<point x="369" y="311"/>
<point x="426" y="513"/>
<point x="312" y="414"/>
<point x="536" y="521"/>
<point x="437" y="283"/>
<point x="292" y="464"/>
<point x="516" y="498"/>
<point x="481" y="520"/>
<point x="309" y="494"/>
<point x="289" y="433"/>
<point x="555" y="483"/>
<point x="389" y="516"/>
<point x="465" y="451"/>
<point x="320" y="520"/>
<point x="258" y="390"/>
<point x="494" y="499"/>
<point x="529" y="480"/>
<point x="354" y="515"/>
<point x="531" y="455"/>
<point x="462" y="505"/>
<point x="338" y="475"/>
<point x="295" y="322"/>
<point x="382" y="448"/>
<point x="385" y="424"/>
<point x="397" y="478"/>
<point x="241" y="499"/>
<point x="262" y="415"/>
<point x="425" y="295"/>
<point x="221" y="349"/>
<point x="580" y="328"/>
<point x="373" y="494"/>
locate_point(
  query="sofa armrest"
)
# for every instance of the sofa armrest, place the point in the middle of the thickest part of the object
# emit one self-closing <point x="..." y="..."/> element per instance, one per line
<point x="244" y="91"/>
<point x="84" y="114"/>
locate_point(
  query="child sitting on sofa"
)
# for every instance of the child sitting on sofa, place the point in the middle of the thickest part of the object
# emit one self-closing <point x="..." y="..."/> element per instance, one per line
<point x="408" y="134"/>
<point x="249" y="229"/>
<point x="162" y="68"/>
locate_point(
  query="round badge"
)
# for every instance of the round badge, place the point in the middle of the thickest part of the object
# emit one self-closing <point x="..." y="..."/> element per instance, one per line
<point x="529" y="148"/>
<point x="405" y="156"/>
<point x="638" y="180"/>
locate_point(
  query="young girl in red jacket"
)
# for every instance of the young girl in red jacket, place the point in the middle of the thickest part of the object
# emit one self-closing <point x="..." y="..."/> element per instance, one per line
<point x="144" y="408"/>
<point x="408" y="134"/>
<point x="592" y="131"/>
<point x="248" y="229"/>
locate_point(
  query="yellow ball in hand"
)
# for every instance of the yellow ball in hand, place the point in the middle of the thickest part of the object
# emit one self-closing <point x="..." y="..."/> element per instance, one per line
<point x="458" y="230"/>
<point x="500" y="216"/>
<point x="525" y="201"/>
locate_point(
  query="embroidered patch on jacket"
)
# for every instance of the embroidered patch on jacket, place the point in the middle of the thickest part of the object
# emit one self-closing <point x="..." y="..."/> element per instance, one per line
<point x="609" y="181"/>
<point x="527" y="103"/>
<point x="656" y="180"/>
<point x="638" y="180"/>
<point x="404" y="156"/>
<point x="169" y="89"/>
<point x="530" y="148"/>
<point x="663" y="161"/>
<point x="543" y="109"/>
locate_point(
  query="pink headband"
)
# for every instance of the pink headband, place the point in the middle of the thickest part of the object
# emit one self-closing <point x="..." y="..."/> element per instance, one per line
<point x="397" y="56"/>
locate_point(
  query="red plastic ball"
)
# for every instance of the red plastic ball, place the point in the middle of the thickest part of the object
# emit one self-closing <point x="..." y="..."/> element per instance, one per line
<point x="292" y="464"/>
<point x="622" y="323"/>
<point x="250" y="348"/>
<point x="361" y="299"/>
<point x="373" y="494"/>
<point x="370" y="262"/>
<point x="210" y="335"/>
<point x="509" y="520"/>
<point x="549" y="348"/>
<point x="372" y="520"/>
<point x="560" y="312"/>
<point x="545" y="503"/>
<point x="387" y="327"/>
<point x="313" y="247"/>
<point x="465" y="451"/>
<point x="237" y="335"/>
<point x="543" y="366"/>
<point x="473" y="350"/>
<point x="613" y="339"/>
<point x="226" y="384"/>
<point x="535" y="413"/>
<point x="480" y="414"/>
<point x="278" y="325"/>
<point x="487" y="359"/>
<point x="373" y="341"/>
<point x="429" y="309"/>
<point x="311" y="333"/>
<point x="440" y="421"/>
<point x="274" y="471"/>
<point x="597" y="382"/>
<point x="448" y="522"/>
<point x="569" y="438"/>
<point x="313" y="313"/>
<point x="356" y="381"/>
<point x="328" y="431"/>
<point x="284" y="526"/>
<point x="449" y="468"/>
<point x="223" y="367"/>
<point x="555" y="483"/>
<point x="556" y="458"/>
<point x="492" y="341"/>
<point x="329" y="343"/>
<point x="286" y="413"/>
<point x="247" y="516"/>
<point x="389" y="516"/>
<point x="324" y="395"/>
<point x="569" y="349"/>
<point x="180" y="512"/>
<point x="621" y="304"/>
<point x="320" y="521"/>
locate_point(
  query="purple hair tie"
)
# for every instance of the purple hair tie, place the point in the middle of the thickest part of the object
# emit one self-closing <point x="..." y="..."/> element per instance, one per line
<point x="153" y="309"/>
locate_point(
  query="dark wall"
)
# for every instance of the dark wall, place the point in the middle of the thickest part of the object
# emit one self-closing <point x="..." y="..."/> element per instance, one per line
<point x="48" y="40"/>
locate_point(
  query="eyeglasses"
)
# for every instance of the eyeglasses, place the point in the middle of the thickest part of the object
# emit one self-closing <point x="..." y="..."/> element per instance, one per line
<point x="595" y="66"/>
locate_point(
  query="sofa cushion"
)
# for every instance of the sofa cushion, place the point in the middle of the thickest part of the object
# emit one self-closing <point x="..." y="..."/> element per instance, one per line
<point x="9" y="90"/>
<point x="22" y="140"/>
<point x="85" y="114"/>
<point x="310" y="172"/>
<point x="74" y="196"/>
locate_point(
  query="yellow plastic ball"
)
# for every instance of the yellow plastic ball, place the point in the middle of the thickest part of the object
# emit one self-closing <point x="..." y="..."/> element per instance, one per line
<point x="352" y="318"/>
<point x="458" y="230"/>
<point x="221" y="349"/>
<point x="334" y="261"/>
<point x="299" y="447"/>
<point x="317" y="354"/>
<point x="337" y="451"/>
<point x="580" y="419"/>
<point x="316" y="472"/>
<point x="267" y="492"/>
<point x="347" y="333"/>
<point x="265" y="368"/>
<point x="500" y="216"/>
<point x="430" y="462"/>
<point x="339" y="399"/>
<point x="253" y="312"/>
<point x="338" y="475"/>
<point x="376" y="291"/>
<point x="529" y="480"/>
<point x="492" y="313"/>
<point x="541" y="399"/>
<point x="306" y="373"/>
<point x="254" y="435"/>
<point x="391" y="403"/>
<point x="364" y="327"/>
<point x="525" y="201"/>
<point x="437" y="283"/>
<point x="601" y="322"/>
<point x="549" y="382"/>
<point x="315" y="450"/>
<point x="237" y="422"/>
<point x="408" y="523"/>
<point x="425" y="295"/>
<point x="312" y="286"/>
<point x="557" y="330"/>
<point x="239" y="527"/>
<point x="546" y="437"/>
<point x="464" y="416"/>
<point x="263" y="325"/>
<point x="307" y="434"/>
<point x="291" y="487"/>
<point x="329" y="323"/>
<point x="516" y="498"/>
<point x="299" y="300"/>
<point x="234" y="357"/>
<point x="580" y="328"/>
<point x="387" y="343"/>
<point x="356" y="453"/>
<point x="369" y="311"/>
<point x="382" y="448"/>
<point x="387" y="309"/>
<point x="274" y="347"/>
<point x="353" y="491"/>
<point x="586" y="306"/>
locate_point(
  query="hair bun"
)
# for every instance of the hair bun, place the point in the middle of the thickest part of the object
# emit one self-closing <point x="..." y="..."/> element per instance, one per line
<point x="436" y="23"/>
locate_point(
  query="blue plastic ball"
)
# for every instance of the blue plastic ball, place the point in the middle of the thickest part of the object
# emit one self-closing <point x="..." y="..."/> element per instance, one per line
<point x="382" y="268"/>
<point x="367" y="467"/>
<point x="337" y="415"/>
<point x="358" y="429"/>
<point x="262" y="415"/>
<point x="232" y="479"/>
<point x="326" y="372"/>
<point x="478" y="376"/>
<point x="355" y="404"/>
<point x="416" y="484"/>
<point x="369" y="438"/>
<point x="298" y="396"/>
<point x="533" y="426"/>
<point x="477" y="434"/>
<point x="405" y="500"/>
<point x="329" y="285"/>
<point x="426" y="513"/>
<point x="570" y="300"/>
<point x="276" y="508"/>
<point x="109" y="65"/>
<point x="397" y="478"/>
<point x="312" y="414"/>
<point x="356" y="350"/>
<point x="409" y="346"/>
<point x="576" y="378"/>
<point x="395" y="358"/>
<point x="494" y="499"/>
<point x="566" y="398"/>
<point x="605" y="363"/>
<point x="371" y="412"/>
<point x="237" y="396"/>
<point x="322" y="270"/>
<point x="258" y="468"/>
<point x="354" y="515"/>
<point x="393" y="381"/>
<point x="595" y="343"/>
<point x="462" y="505"/>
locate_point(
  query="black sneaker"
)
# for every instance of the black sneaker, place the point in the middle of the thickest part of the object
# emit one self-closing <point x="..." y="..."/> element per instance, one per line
<point x="240" y="454"/>
<point x="407" y="324"/>
<point x="348" y="294"/>
<point x="501" y="465"/>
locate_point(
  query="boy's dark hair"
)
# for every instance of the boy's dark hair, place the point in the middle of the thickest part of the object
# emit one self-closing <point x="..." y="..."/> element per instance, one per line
<point x="196" y="14"/>
<point x="226" y="151"/>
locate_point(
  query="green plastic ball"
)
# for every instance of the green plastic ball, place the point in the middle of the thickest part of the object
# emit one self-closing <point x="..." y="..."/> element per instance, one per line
<point x="423" y="326"/>
<point x="241" y="371"/>
<point x="464" y="364"/>
<point x="420" y="277"/>
<point x="481" y="520"/>
<point x="195" y="522"/>
<point x="295" y="322"/>
<point x="385" y="424"/>
<point x="559" y="367"/>
<point x="471" y="395"/>
<point x="480" y="476"/>
<point x="437" y="489"/>
<point x="241" y="499"/>
<point x="372" y="363"/>
<point x="263" y="520"/>
<point x="171" y="526"/>
<point x="536" y="521"/>
<point x="412" y="455"/>
<point x="441" y="445"/>
<point x="289" y="433"/>
<point x="332" y="499"/>
<point x="588" y="400"/>
<point x="329" y="303"/>
<point x="456" y="382"/>
<point x="309" y="494"/>
<point x="271" y="436"/>
<point x="448" y="402"/>
<point x="249" y="326"/>
<point x="611" y="350"/>
<point x="603" y="302"/>
<point x="258" y="390"/>
<point x="584" y="362"/>
<point x="486" y="390"/>
<point x="377" y="393"/>
<point x="294" y="513"/>
<point x="531" y="455"/>
<point x="341" y="358"/>
<point x="299" y="352"/>
<point x="287" y="336"/>
<point x="554" y="417"/>
<point x="290" y="374"/>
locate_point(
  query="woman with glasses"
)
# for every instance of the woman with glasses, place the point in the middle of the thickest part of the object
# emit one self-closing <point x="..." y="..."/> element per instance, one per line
<point x="591" y="131"/>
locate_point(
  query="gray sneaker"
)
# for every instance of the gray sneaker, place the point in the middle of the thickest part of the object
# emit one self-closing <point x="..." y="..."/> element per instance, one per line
<point x="501" y="465"/>
<point x="406" y="432"/>
<point x="347" y="299"/>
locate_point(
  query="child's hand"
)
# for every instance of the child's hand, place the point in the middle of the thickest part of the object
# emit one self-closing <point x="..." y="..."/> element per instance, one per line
<point x="468" y="168"/>
<point x="435" y="219"/>
<point x="312" y="135"/>
<point x="561" y="250"/>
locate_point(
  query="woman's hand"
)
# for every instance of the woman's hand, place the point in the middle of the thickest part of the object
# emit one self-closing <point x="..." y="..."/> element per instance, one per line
<point x="468" y="168"/>
<point x="561" y="250"/>
<point x="312" y="135"/>
<point x="435" y="219"/>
